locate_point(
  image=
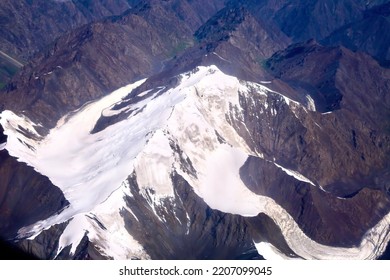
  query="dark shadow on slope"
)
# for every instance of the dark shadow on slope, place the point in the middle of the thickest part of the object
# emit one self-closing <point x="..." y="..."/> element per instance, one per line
<point x="9" y="251"/>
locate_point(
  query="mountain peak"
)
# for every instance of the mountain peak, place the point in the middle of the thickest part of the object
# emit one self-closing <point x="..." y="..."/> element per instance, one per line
<point x="222" y="24"/>
<point x="236" y="24"/>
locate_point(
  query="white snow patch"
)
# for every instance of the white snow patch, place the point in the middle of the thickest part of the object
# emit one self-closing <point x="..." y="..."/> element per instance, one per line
<point x="17" y="142"/>
<point x="295" y="174"/>
<point x="125" y="185"/>
<point x="188" y="223"/>
<point x="317" y="124"/>
<point x="222" y="57"/>
<point x="115" y="241"/>
<point x="73" y="233"/>
<point x="270" y="252"/>
<point x="220" y="184"/>
<point x="144" y="93"/>
<point x="157" y="153"/>
<point x="311" y="106"/>
<point x="132" y="213"/>
<point x="109" y="112"/>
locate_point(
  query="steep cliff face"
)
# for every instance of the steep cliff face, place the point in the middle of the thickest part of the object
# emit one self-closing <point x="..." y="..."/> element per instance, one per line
<point x="21" y="185"/>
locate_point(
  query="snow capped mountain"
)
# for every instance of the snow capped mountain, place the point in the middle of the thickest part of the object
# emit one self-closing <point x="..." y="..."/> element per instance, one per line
<point x="150" y="129"/>
<point x="138" y="143"/>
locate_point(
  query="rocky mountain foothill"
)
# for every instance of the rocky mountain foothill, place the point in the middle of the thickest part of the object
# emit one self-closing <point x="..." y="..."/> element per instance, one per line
<point x="145" y="129"/>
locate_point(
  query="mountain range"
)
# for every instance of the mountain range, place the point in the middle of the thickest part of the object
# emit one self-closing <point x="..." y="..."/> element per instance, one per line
<point x="190" y="130"/>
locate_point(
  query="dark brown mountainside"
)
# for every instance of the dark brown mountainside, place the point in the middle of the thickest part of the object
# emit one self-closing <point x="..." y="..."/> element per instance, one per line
<point x="358" y="25"/>
<point x="29" y="26"/>
<point x="242" y="30"/>
<point x="18" y="209"/>
<point x="302" y="20"/>
<point x="368" y="34"/>
<point x="96" y="59"/>
<point x="360" y="105"/>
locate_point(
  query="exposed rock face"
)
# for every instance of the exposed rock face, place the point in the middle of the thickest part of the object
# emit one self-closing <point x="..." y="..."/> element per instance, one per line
<point x="342" y="169"/>
<point x="333" y="221"/>
<point x="25" y="196"/>
<point x="358" y="25"/>
<point x="301" y="20"/>
<point x="45" y="245"/>
<point x="3" y="137"/>
<point x="243" y="31"/>
<point x="358" y="131"/>
<point x="368" y="34"/>
<point x="29" y="26"/>
<point x="96" y="59"/>
<point x="188" y="227"/>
